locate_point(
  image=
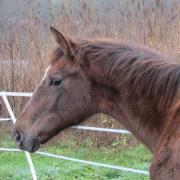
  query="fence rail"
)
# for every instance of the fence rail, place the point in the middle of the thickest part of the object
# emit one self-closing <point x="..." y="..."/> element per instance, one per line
<point x="12" y="118"/>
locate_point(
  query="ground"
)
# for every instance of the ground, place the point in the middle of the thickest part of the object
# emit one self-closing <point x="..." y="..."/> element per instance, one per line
<point x="13" y="166"/>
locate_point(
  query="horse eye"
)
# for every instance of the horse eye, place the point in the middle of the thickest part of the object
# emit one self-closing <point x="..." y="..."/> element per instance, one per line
<point x="55" y="82"/>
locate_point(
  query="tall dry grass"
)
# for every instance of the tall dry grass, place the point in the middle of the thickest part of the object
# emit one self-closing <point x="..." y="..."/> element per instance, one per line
<point x="152" y="23"/>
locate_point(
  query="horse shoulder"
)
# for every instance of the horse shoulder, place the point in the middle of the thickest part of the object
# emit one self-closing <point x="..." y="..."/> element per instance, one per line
<point x="166" y="163"/>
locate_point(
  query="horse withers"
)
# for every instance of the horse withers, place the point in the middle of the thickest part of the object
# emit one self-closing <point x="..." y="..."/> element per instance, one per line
<point x="137" y="86"/>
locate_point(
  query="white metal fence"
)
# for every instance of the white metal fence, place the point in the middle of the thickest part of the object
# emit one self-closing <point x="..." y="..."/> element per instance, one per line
<point x="12" y="118"/>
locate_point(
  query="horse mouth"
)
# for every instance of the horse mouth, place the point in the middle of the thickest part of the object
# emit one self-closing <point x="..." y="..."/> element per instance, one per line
<point x="28" y="143"/>
<point x="30" y="147"/>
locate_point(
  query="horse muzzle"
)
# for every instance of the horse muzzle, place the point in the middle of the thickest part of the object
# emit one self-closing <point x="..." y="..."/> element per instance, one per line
<point x="28" y="143"/>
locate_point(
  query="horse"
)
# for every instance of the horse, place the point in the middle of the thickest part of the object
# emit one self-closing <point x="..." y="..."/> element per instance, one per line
<point x="137" y="86"/>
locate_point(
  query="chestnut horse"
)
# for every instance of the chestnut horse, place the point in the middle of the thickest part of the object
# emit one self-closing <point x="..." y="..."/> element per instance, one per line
<point x="137" y="86"/>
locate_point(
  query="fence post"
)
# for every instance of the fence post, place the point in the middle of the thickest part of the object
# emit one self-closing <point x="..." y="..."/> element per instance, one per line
<point x="28" y="157"/>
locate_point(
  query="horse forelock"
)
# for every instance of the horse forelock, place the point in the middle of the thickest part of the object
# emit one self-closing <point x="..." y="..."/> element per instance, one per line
<point x="55" y="55"/>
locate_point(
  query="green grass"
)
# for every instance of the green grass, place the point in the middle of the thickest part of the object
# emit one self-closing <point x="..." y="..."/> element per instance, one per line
<point x="13" y="166"/>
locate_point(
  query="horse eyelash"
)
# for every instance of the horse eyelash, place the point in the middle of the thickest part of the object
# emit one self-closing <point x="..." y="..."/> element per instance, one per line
<point x="54" y="82"/>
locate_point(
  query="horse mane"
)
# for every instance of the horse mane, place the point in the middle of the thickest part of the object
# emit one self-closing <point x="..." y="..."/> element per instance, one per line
<point x="144" y="71"/>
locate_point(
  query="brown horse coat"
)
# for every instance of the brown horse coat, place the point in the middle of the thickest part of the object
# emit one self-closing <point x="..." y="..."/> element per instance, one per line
<point x="137" y="86"/>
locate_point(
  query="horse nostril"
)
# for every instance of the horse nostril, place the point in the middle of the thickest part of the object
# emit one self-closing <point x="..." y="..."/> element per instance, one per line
<point x="18" y="136"/>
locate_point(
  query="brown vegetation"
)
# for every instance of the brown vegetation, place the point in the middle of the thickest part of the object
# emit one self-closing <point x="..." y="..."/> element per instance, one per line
<point x="155" y="24"/>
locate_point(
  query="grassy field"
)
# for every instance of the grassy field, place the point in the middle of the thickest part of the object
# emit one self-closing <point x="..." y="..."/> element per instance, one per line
<point x="25" y="37"/>
<point x="13" y="166"/>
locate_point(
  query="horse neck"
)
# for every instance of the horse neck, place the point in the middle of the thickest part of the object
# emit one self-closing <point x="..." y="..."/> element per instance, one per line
<point x="139" y="117"/>
<point x="132" y="115"/>
<point x="135" y="105"/>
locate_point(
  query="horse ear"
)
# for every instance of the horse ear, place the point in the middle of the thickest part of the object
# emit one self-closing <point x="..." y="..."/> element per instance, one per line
<point x="65" y="43"/>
